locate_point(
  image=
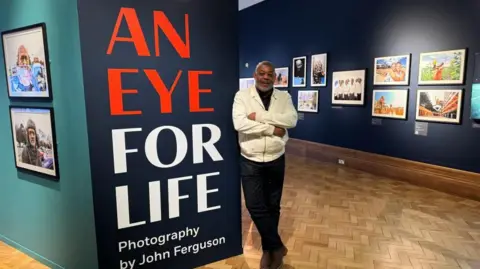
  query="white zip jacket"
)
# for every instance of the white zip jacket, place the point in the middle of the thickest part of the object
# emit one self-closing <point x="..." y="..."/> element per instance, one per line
<point x="256" y="139"/>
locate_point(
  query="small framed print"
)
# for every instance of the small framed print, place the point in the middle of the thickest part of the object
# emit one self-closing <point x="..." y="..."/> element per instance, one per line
<point x="299" y="71"/>
<point x="318" y="73"/>
<point x="307" y="101"/>
<point x="25" y="51"/>
<point x="246" y="83"/>
<point x="281" y="77"/>
<point x="34" y="141"/>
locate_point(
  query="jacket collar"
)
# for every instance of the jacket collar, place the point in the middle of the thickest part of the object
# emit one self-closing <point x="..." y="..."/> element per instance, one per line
<point x="254" y="93"/>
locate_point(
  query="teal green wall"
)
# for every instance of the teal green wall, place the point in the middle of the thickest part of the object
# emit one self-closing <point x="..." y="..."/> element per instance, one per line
<point x="53" y="222"/>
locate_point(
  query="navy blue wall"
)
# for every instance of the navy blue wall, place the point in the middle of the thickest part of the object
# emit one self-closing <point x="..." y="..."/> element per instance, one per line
<point x="353" y="33"/>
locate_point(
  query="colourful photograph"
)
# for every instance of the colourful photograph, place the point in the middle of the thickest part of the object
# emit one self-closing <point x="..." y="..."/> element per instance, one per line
<point x="34" y="139"/>
<point x="307" y="101"/>
<point x="26" y="62"/>
<point x="475" y="101"/>
<point x="318" y="76"/>
<point x="281" y="79"/>
<point x="390" y="104"/>
<point x="444" y="67"/>
<point x="439" y="105"/>
<point x="299" y="71"/>
<point x="392" y="70"/>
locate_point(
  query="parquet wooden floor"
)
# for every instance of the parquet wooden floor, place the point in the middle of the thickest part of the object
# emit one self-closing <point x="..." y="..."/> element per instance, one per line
<point x="11" y="258"/>
<point x="334" y="217"/>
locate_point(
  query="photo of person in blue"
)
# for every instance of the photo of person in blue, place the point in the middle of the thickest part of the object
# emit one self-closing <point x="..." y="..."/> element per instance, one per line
<point x="28" y="74"/>
<point x="26" y="62"/>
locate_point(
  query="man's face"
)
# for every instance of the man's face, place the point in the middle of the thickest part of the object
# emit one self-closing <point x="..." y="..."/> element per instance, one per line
<point x="32" y="137"/>
<point x="299" y="64"/>
<point x="264" y="78"/>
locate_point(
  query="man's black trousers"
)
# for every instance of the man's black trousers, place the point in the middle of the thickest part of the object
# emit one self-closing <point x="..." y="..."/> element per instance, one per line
<point x="262" y="187"/>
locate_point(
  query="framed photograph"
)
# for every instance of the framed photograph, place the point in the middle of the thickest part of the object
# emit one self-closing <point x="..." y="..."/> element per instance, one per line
<point x="281" y="79"/>
<point x="27" y="67"/>
<point x="392" y="70"/>
<point x="390" y="104"/>
<point x="475" y="105"/>
<point x="318" y="73"/>
<point x="442" y="67"/>
<point x="33" y="132"/>
<point x="475" y="99"/>
<point x="307" y="101"/>
<point x="299" y="71"/>
<point x="246" y="83"/>
<point x="349" y="87"/>
<point x="439" y="105"/>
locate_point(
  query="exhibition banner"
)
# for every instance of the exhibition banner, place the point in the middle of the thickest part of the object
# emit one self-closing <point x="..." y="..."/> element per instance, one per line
<point x="160" y="78"/>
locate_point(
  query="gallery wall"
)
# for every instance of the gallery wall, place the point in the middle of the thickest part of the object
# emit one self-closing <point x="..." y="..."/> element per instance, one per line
<point x="49" y="220"/>
<point x="353" y="33"/>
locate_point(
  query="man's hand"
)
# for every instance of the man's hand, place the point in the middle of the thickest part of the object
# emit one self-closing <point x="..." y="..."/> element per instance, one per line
<point x="280" y="132"/>
<point x="252" y="116"/>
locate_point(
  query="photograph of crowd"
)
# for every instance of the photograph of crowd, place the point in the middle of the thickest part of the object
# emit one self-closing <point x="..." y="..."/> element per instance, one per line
<point x="281" y="79"/>
<point x="392" y="70"/>
<point x="318" y="76"/>
<point x="348" y="87"/>
<point x="26" y="62"/>
<point x="35" y="148"/>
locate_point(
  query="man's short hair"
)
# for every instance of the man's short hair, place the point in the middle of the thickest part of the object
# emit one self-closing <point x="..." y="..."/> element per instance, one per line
<point x="262" y="63"/>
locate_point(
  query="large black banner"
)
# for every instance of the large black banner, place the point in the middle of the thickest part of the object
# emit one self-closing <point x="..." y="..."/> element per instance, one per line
<point x="159" y="78"/>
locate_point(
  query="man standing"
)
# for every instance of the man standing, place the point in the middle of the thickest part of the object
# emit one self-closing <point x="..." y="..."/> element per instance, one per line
<point x="261" y="115"/>
<point x="31" y="154"/>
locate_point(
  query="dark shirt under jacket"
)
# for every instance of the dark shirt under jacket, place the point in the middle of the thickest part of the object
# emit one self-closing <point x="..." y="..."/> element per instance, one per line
<point x="266" y="97"/>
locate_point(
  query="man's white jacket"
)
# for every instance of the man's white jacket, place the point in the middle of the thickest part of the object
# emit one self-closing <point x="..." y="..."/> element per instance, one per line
<point x="256" y="139"/>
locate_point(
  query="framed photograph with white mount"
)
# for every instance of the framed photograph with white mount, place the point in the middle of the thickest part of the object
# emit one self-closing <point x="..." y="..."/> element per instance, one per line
<point x="348" y="87"/>
<point x="299" y="72"/>
<point x="26" y="60"/>
<point x="34" y="141"/>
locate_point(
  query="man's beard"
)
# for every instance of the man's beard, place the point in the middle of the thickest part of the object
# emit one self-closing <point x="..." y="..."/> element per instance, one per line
<point x="263" y="89"/>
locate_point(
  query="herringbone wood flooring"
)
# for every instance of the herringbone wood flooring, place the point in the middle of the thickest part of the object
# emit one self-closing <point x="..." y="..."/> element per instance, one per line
<point x="334" y="217"/>
<point x="11" y="258"/>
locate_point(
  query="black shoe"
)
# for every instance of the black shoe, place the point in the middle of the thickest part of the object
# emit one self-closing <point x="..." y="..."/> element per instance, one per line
<point x="266" y="260"/>
<point x="277" y="258"/>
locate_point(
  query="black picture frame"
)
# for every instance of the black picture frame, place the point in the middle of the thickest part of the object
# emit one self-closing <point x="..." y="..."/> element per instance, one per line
<point x="463" y="66"/>
<point x="42" y="168"/>
<point x="347" y="103"/>
<point x="40" y="69"/>
<point x="460" y="106"/>
<point x="317" y="101"/>
<point x="304" y="84"/>
<point x="406" y="91"/>
<point x="393" y="84"/>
